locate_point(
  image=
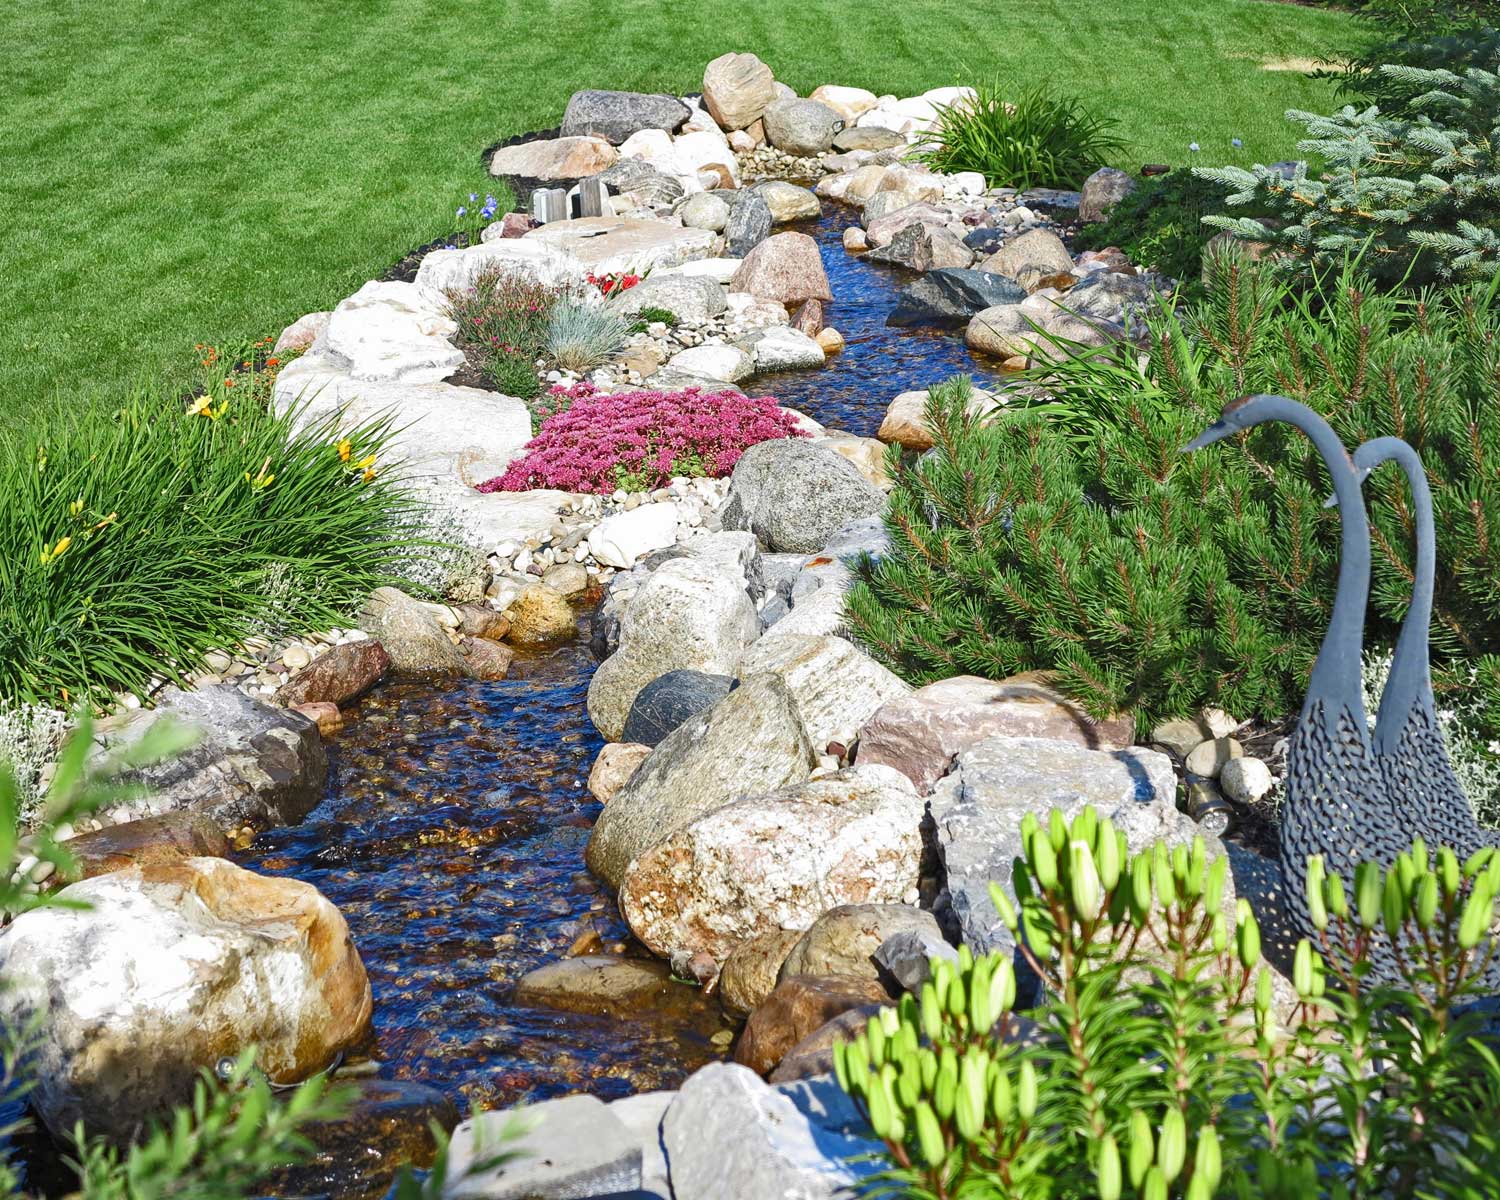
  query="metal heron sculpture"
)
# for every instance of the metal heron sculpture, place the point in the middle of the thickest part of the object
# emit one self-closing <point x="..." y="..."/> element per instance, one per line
<point x="1408" y="743"/>
<point x="1337" y="801"/>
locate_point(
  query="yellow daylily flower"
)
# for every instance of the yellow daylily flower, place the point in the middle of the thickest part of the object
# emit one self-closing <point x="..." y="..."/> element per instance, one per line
<point x="365" y="463"/>
<point x="52" y="554"/>
<point x="201" y="407"/>
<point x="346" y="448"/>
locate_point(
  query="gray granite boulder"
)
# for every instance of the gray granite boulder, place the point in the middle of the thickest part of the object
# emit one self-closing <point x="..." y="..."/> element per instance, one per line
<point x="868" y="138"/>
<point x="614" y="116"/>
<point x="788" y="201"/>
<point x="792" y="495"/>
<point x="950" y="296"/>
<point x="576" y="1147"/>
<point x="669" y="700"/>
<point x="921" y="247"/>
<point x="692" y="299"/>
<point x="411" y="634"/>
<point x="1102" y="190"/>
<point x="801" y="127"/>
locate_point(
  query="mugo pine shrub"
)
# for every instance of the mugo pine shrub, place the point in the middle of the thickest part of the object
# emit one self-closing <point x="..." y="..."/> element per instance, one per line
<point x="1073" y="536"/>
<point x="599" y="441"/>
<point x="1162" y="1063"/>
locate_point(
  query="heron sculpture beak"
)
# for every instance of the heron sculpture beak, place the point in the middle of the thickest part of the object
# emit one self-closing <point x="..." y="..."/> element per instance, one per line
<point x="1216" y="432"/>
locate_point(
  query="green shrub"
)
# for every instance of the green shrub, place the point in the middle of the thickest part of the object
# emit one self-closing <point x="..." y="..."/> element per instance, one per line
<point x="514" y="375"/>
<point x="1073" y="536"/>
<point x="1362" y="79"/>
<point x="651" y="315"/>
<point x="1418" y="195"/>
<point x="582" y="336"/>
<point x="134" y="541"/>
<point x="1160" y="225"/>
<point x="1037" y="140"/>
<point x="1157" y="1065"/>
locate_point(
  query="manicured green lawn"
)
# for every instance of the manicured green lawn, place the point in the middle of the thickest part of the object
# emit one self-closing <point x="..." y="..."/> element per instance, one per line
<point x="178" y="171"/>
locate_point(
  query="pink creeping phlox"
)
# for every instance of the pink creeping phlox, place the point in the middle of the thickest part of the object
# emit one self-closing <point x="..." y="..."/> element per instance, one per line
<point x="597" y="441"/>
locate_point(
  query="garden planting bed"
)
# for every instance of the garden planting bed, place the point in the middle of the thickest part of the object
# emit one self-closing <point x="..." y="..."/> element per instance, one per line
<point x="777" y="826"/>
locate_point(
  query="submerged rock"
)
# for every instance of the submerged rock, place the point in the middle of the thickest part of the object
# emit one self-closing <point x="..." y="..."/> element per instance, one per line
<point x="597" y="983"/>
<point x="171" y="967"/>
<point x="799" y="1005"/>
<point x="151" y="840"/>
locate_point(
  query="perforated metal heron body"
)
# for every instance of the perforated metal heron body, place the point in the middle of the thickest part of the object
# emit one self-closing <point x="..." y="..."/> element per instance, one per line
<point x="1337" y="800"/>
<point x="1408" y="742"/>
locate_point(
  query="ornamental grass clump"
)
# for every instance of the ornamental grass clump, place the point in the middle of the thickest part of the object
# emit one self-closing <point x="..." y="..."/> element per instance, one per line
<point x="599" y="442"/>
<point x="134" y="541"/>
<point x="1165" y="1061"/>
<point x="582" y="336"/>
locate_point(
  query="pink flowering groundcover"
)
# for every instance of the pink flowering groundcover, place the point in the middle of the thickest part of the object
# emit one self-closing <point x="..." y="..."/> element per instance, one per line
<point x="598" y="442"/>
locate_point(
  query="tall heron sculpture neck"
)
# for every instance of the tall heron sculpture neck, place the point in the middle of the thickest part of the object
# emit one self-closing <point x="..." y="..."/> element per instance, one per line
<point x="1408" y="741"/>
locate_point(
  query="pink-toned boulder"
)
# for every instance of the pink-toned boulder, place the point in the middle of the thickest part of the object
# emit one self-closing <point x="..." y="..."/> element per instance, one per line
<point x="919" y="734"/>
<point x="337" y="676"/>
<point x="881" y="230"/>
<point x="778" y="860"/>
<point x="485" y="659"/>
<point x="752" y="969"/>
<point x="785" y="267"/>
<point x="613" y="768"/>
<point x="798" y="1007"/>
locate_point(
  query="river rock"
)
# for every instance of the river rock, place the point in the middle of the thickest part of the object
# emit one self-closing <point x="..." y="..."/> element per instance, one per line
<point x="748" y="744"/>
<point x="390" y="330"/>
<point x="612" y="770"/>
<point x="625" y="537"/>
<point x="788" y="201"/>
<point x="1030" y="258"/>
<point x="1102" y="190"/>
<point x="692" y="299"/>
<point x="782" y="348"/>
<point x="410" y="633"/>
<point x="848" y="102"/>
<point x="905" y="420"/>
<point x="781" y="858"/>
<point x="725" y="364"/>
<point x="1116" y="299"/>
<point x="704" y="210"/>
<point x="388" y="1125"/>
<point x="736" y="90"/>
<point x="882" y="226"/>
<point x="748" y="226"/>
<point x="1208" y="758"/>
<point x="887" y="202"/>
<point x="867" y="138"/>
<point x="793" y="495"/>
<point x="785" y="267"/>
<point x="1004" y="330"/>
<point x="978" y="808"/>
<point x="1246" y="779"/>
<point x="147" y="842"/>
<point x="671" y="699"/>
<point x="479" y="620"/>
<point x="614" y="116"/>
<point x="325" y="716"/>
<point x="169" y="968"/>
<point x="863" y="183"/>
<point x="750" y="972"/>
<point x="731" y="1136"/>
<point x="801" y="127"/>
<point x="253" y="764"/>
<point x="808" y="318"/>
<point x="813" y="1055"/>
<point x="600" y="984"/>
<point x="799" y="1005"/>
<point x="485" y="660"/>
<point x="920" y="733"/>
<point x="924" y="248"/>
<point x="907" y="956"/>
<point x="574" y="1147"/>
<point x="540" y="615"/>
<point x="844" y="940"/>
<point x="338" y="675"/>
<point x="836" y="686"/>
<point x="950" y="296"/>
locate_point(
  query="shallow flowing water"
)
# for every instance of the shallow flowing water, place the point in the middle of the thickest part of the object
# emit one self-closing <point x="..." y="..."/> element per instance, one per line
<point x="880" y="361"/>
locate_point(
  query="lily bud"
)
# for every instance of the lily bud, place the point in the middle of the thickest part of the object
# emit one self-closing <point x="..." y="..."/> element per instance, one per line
<point x="1393" y="904"/>
<point x="1219" y="933"/>
<point x="1427" y="900"/>
<point x="1478" y="914"/>
<point x="1213" y="890"/>
<point x="1171" y="1146"/>
<point x="1247" y="935"/>
<point x="1302" y="976"/>
<point x="1367" y="893"/>
<point x="1087" y="891"/>
<point x="1317" y="911"/>
<point x="1026" y="1091"/>
<point x="1448" y="871"/>
<point x="1161" y="872"/>
<point x="1140" y="887"/>
<point x="1142" y="1148"/>
<point x="1003" y="987"/>
<point x="1208" y="1164"/>
<point x="1044" y="862"/>
<point x="1057" y="830"/>
<point x="929" y="1135"/>
<point x="1338" y="902"/>
<point x="1110" y="1182"/>
<point x="1005" y="908"/>
<point x="1109" y="858"/>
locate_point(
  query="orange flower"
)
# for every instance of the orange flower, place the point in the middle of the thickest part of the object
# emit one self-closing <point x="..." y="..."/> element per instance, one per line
<point x="273" y="362"/>
<point x="228" y="383"/>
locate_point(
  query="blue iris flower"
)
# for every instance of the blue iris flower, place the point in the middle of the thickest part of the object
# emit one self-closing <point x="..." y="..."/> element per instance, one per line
<point x="472" y="197"/>
<point x="1193" y="146"/>
<point x="1236" y="143"/>
<point x="461" y="212"/>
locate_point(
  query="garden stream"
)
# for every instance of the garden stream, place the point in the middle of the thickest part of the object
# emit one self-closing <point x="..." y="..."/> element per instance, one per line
<point x="453" y="831"/>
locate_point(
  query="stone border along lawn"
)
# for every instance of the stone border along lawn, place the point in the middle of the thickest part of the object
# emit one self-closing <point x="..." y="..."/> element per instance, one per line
<point x="766" y="782"/>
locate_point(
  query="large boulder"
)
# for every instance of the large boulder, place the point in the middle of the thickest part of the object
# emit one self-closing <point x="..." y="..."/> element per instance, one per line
<point x="736" y="90"/>
<point x="539" y="615"/>
<point x="704" y="210"/>
<point x="748" y="744"/>
<point x="799" y="1005"/>
<point x="731" y="1136"/>
<point x="950" y="296"/>
<point x="977" y="812"/>
<point x="813" y="1055"/>
<point x="788" y="201"/>
<point x="147" y="842"/>
<point x="848" y="102"/>
<point x="780" y="859"/>
<point x="844" y="940"/>
<point x="692" y="299"/>
<point x="411" y="634"/>
<point x="882" y="226"/>
<point x="390" y="330"/>
<point x="166" y="969"/>
<point x="339" y="674"/>
<point x="749" y="224"/>
<point x="622" y="538"/>
<point x="919" y="733"/>
<point x="253" y="764"/>
<point x="920" y="247"/>
<point x="716" y="361"/>
<point x="1030" y="258"/>
<point x="447" y="270"/>
<point x="550" y="162"/>
<point x="785" y="267"/>
<point x="837" y="687"/>
<point x="801" y="127"/>
<point x="1117" y="299"/>
<point x="782" y="348"/>
<point x="750" y="972"/>
<point x="871" y="138"/>
<point x="793" y="495"/>
<point x="1006" y="330"/>
<point x="614" y="116"/>
<point x="668" y="701"/>
<point x="1102" y="190"/>
<point x="905" y="420"/>
<point x="604" y="245"/>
